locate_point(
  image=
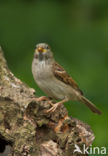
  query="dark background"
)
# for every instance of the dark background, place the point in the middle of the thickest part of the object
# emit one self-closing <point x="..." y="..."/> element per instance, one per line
<point x="77" y="31"/>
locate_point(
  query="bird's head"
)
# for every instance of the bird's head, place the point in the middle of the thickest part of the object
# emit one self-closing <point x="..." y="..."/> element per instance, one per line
<point x="43" y="52"/>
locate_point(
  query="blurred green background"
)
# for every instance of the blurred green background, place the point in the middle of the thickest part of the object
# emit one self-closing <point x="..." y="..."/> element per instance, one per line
<point x="77" y="31"/>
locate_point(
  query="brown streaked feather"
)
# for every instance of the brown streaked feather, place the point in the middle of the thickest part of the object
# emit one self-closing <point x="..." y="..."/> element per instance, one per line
<point x="62" y="75"/>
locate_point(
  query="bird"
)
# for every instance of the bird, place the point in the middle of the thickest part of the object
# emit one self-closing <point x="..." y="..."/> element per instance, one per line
<point x="54" y="81"/>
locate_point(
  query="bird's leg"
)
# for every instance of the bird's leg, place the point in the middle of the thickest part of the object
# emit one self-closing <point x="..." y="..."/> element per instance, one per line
<point x="54" y="107"/>
<point x="44" y="98"/>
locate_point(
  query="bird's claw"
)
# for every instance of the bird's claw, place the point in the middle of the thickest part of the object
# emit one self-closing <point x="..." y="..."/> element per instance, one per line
<point x="53" y="108"/>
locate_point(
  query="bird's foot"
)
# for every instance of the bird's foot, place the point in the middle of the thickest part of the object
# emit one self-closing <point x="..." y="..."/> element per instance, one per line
<point x="54" y="107"/>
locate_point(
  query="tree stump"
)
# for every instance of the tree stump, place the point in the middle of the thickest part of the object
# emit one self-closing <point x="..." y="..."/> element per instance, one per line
<point x="26" y="127"/>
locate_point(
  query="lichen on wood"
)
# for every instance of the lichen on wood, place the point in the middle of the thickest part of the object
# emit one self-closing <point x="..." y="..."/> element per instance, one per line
<point x="26" y="126"/>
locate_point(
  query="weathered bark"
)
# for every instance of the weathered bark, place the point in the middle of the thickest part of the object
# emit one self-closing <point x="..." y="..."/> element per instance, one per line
<point x="28" y="129"/>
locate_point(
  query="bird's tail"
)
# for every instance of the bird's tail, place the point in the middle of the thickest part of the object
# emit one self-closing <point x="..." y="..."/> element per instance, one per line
<point x="90" y="105"/>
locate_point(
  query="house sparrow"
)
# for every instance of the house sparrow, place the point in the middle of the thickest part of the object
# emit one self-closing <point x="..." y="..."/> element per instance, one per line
<point x="54" y="80"/>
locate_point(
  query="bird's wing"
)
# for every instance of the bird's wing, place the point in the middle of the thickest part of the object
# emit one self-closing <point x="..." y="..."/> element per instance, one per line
<point x="62" y="75"/>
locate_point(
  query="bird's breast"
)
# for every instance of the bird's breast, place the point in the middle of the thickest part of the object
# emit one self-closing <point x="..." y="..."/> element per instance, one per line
<point x="42" y="70"/>
<point x="45" y="79"/>
<point x="42" y="73"/>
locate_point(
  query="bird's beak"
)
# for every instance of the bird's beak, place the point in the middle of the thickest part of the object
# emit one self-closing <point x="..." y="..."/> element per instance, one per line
<point x="40" y="49"/>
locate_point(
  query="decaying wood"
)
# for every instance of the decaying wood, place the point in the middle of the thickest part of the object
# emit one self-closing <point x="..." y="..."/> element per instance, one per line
<point x="28" y="129"/>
